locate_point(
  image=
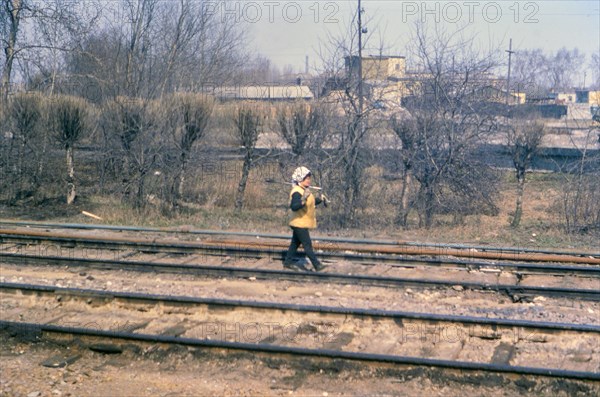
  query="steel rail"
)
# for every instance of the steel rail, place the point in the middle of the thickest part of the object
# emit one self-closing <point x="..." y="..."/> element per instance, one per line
<point x="248" y="248"/>
<point x="253" y="252"/>
<point x="363" y="259"/>
<point x="436" y="252"/>
<point x="220" y="271"/>
<point x="286" y="237"/>
<point x="16" y="327"/>
<point x="344" y="311"/>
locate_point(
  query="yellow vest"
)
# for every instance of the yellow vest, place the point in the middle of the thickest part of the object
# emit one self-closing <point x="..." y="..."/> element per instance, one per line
<point x="305" y="217"/>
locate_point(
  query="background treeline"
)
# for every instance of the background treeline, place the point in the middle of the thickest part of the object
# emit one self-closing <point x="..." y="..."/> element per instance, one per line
<point x="145" y="48"/>
<point x="111" y="101"/>
<point x="99" y="49"/>
<point x="185" y="151"/>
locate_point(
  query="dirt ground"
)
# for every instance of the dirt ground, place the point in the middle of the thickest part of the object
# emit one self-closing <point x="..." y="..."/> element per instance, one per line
<point x="158" y="370"/>
<point x="154" y="370"/>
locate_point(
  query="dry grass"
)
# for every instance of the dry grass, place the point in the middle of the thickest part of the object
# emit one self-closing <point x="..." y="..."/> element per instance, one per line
<point x="208" y="200"/>
<point x="540" y="225"/>
<point x="209" y="204"/>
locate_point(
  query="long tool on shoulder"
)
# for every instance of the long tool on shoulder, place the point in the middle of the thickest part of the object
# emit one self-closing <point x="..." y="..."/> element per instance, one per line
<point x="290" y="183"/>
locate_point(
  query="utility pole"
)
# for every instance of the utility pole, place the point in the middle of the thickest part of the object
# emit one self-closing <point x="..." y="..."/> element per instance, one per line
<point x="510" y="52"/>
<point x="306" y="66"/>
<point x="360" y="76"/>
<point x="356" y="129"/>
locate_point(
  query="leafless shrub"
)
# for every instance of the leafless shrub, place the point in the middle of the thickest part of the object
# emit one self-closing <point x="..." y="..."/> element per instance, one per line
<point x="132" y="145"/>
<point x="69" y="116"/>
<point x="248" y="122"/>
<point x="305" y="127"/>
<point x="580" y="204"/>
<point x="301" y="125"/>
<point x="23" y="121"/>
<point x="439" y="159"/>
<point x="186" y="119"/>
<point x="524" y="137"/>
<point x="580" y="200"/>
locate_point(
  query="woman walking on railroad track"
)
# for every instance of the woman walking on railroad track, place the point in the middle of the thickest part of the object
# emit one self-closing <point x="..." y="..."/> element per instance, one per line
<point x="302" y="204"/>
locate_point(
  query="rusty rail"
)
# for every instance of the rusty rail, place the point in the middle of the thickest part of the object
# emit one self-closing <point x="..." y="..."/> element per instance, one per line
<point x="326" y="247"/>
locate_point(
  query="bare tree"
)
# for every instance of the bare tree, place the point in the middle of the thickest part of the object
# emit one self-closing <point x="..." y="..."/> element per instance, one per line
<point x="301" y="125"/>
<point x="132" y="145"/>
<point x="23" y="122"/>
<point x="139" y="15"/>
<point x="11" y="14"/>
<point x="154" y="47"/>
<point x="448" y="118"/>
<point x="595" y="67"/>
<point x="529" y="72"/>
<point x="536" y="72"/>
<point x="347" y="88"/>
<point x="93" y="70"/>
<point x="523" y="138"/>
<point x="70" y="124"/>
<point x="117" y="59"/>
<point x="563" y="67"/>
<point x="408" y="135"/>
<point x="39" y="34"/>
<point x="187" y="120"/>
<point x="248" y="122"/>
<point x="259" y="70"/>
<point x="442" y="163"/>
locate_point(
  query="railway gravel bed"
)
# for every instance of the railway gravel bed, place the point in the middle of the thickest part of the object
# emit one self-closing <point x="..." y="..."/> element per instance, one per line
<point x="489" y="276"/>
<point x="493" y="273"/>
<point x="475" y="340"/>
<point x="526" y="348"/>
<point x="514" y="290"/>
<point x="444" y="301"/>
<point x="166" y="370"/>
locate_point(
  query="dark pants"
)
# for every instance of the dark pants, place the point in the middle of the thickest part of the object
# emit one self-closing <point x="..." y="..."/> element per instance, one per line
<point x="301" y="237"/>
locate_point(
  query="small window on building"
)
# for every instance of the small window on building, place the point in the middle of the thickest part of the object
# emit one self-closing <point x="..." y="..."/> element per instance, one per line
<point x="397" y="66"/>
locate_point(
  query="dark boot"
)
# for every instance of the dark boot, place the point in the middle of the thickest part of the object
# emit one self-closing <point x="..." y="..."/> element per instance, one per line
<point x="320" y="267"/>
<point x="291" y="265"/>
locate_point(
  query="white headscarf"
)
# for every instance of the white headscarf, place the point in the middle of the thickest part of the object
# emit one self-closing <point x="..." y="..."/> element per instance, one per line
<point x="299" y="174"/>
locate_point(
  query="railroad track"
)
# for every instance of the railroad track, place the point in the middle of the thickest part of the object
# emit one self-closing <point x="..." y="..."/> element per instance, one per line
<point x="65" y="246"/>
<point x="384" y="246"/>
<point x="247" y="249"/>
<point x="418" y="339"/>
<point x="516" y="292"/>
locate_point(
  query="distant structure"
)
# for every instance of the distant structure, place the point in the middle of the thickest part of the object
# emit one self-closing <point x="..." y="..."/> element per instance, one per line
<point x="376" y="67"/>
<point x="271" y="93"/>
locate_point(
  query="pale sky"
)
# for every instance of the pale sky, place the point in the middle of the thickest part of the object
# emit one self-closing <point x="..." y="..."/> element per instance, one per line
<point x="287" y="31"/>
